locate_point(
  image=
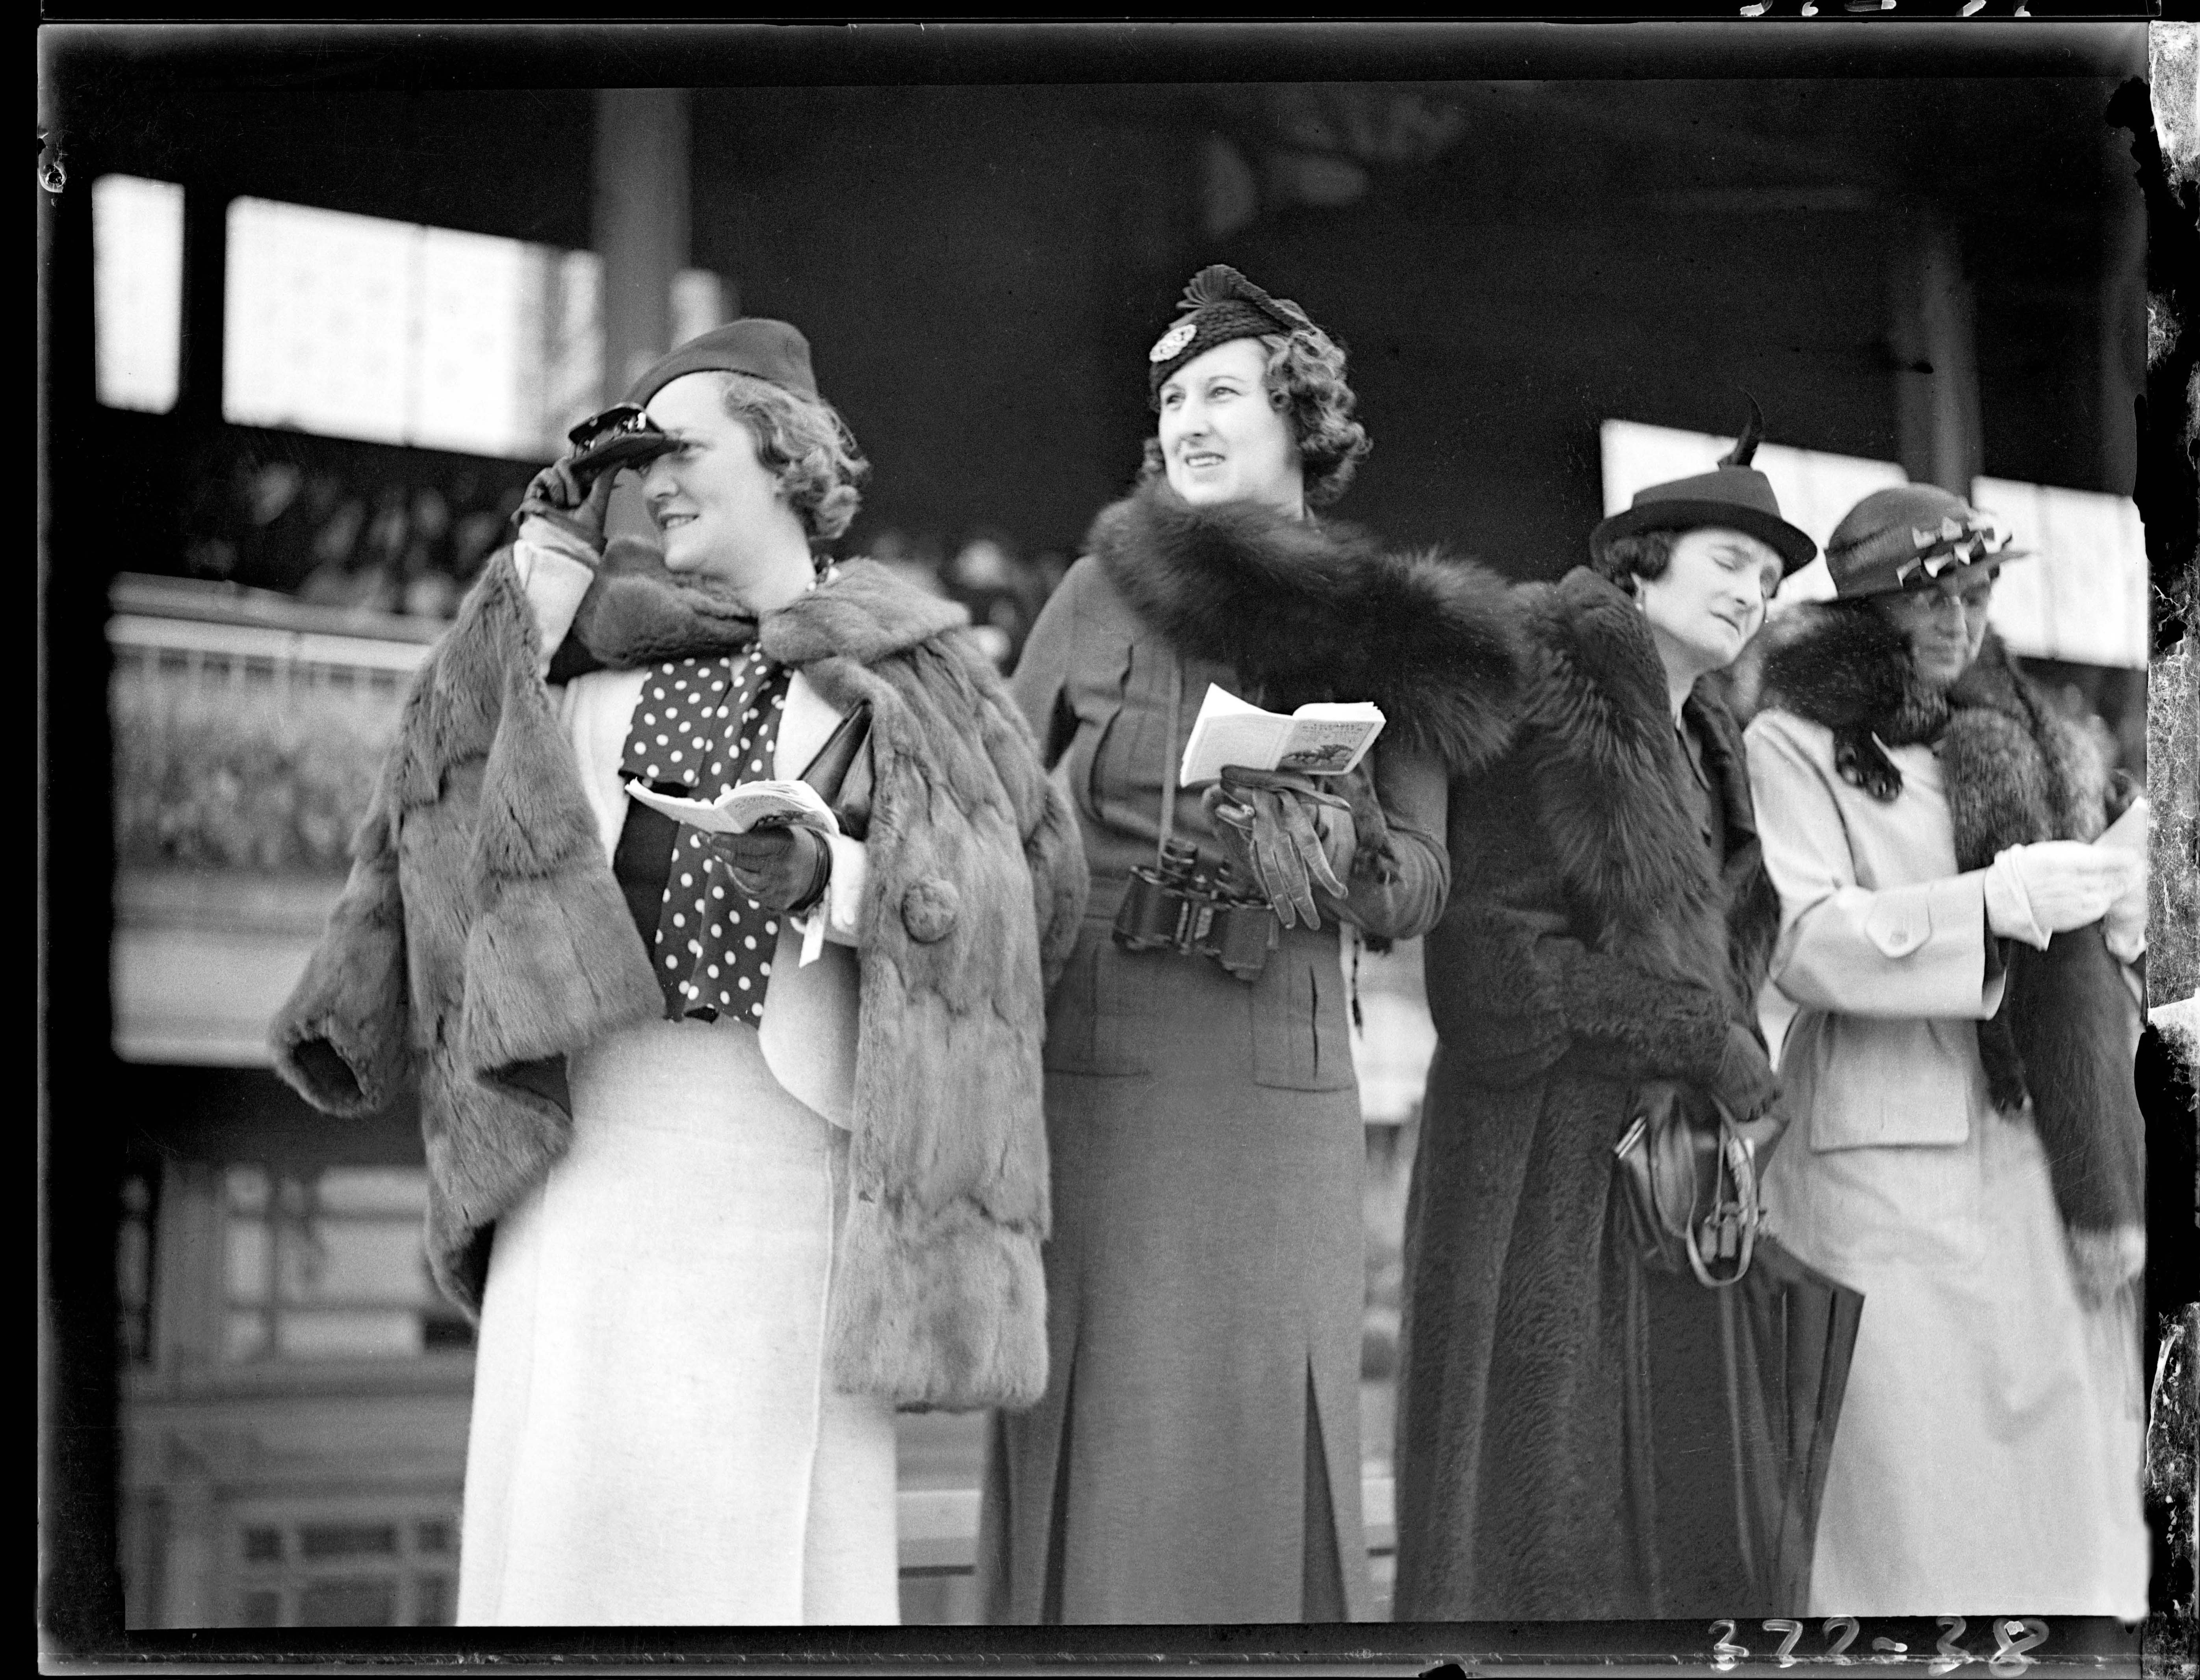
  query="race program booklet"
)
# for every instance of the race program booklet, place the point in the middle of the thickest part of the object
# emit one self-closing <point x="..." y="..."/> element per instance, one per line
<point x="752" y="804"/>
<point x="1322" y="738"/>
<point x="2128" y="833"/>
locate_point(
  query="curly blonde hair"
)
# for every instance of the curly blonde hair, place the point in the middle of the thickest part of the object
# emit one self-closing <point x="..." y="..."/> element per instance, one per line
<point x="1305" y="379"/>
<point x="806" y="446"/>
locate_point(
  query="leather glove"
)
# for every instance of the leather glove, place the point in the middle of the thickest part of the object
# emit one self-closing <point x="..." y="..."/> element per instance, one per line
<point x="573" y="502"/>
<point x="2050" y="887"/>
<point x="1285" y="835"/>
<point x="1744" y="1080"/>
<point x="784" y="867"/>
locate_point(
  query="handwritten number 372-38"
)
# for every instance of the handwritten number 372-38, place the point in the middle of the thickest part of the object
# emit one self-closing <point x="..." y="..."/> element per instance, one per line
<point x="2015" y="1637"/>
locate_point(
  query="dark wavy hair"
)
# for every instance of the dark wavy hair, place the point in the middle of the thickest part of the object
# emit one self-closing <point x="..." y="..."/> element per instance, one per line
<point x="1305" y="379"/>
<point x="806" y="446"/>
<point x="1646" y="555"/>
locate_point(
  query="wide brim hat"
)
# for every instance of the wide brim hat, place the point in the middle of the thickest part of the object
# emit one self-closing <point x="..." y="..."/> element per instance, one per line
<point x="1219" y="305"/>
<point x="763" y="350"/>
<point x="1733" y="496"/>
<point x="1909" y="537"/>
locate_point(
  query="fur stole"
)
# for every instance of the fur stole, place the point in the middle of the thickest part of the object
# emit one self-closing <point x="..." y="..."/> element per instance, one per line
<point x="1307" y="611"/>
<point x="2016" y="772"/>
<point x="1608" y="772"/>
<point x="483" y="937"/>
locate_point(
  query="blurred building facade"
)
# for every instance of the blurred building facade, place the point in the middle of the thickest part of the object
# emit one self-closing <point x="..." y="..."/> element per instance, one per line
<point x="285" y="433"/>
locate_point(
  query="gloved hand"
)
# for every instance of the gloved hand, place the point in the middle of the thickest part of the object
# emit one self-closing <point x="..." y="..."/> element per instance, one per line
<point x="2051" y="886"/>
<point x="573" y="503"/>
<point x="1285" y="835"/>
<point x="784" y="867"/>
<point x="1744" y="1080"/>
<point x="2125" y="923"/>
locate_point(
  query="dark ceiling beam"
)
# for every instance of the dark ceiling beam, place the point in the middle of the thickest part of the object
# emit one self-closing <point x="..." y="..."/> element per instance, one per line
<point x="433" y="52"/>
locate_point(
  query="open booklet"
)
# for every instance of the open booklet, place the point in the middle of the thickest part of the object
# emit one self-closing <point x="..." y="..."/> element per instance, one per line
<point x="752" y="804"/>
<point x="2128" y="833"/>
<point x="1323" y="738"/>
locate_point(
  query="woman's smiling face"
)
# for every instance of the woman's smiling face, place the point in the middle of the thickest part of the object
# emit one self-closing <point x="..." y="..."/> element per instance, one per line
<point x="714" y="502"/>
<point x="1222" y="436"/>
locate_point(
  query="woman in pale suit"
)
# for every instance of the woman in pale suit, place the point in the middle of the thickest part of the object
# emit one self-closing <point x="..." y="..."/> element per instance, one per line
<point x="1965" y="1147"/>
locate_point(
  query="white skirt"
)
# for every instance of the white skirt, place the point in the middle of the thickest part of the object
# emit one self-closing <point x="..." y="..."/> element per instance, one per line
<point x="653" y="1440"/>
<point x="1989" y="1451"/>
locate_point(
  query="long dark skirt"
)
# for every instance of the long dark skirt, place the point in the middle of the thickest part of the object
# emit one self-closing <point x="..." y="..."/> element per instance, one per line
<point x="1565" y="1444"/>
<point x="1197" y="1455"/>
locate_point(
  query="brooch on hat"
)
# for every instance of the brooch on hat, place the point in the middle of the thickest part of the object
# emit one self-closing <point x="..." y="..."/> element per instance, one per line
<point x="1170" y="342"/>
<point x="1952" y="542"/>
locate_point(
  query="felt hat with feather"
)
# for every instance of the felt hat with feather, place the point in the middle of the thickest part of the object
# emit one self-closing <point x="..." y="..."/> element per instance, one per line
<point x="1221" y="304"/>
<point x="1734" y="495"/>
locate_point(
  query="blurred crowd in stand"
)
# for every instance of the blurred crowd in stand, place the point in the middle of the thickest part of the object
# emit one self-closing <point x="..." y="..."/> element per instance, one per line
<point x="335" y="535"/>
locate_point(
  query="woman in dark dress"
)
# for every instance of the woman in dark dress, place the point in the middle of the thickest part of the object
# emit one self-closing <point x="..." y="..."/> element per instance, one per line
<point x="1609" y="925"/>
<point x="1197" y="1455"/>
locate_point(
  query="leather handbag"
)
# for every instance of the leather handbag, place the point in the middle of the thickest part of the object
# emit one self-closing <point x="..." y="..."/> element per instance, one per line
<point x="1687" y="1186"/>
<point x="841" y="771"/>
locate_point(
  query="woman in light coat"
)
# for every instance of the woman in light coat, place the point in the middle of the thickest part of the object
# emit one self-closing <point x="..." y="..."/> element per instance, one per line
<point x="1965" y="1146"/>
<point x="733" y="1142"/>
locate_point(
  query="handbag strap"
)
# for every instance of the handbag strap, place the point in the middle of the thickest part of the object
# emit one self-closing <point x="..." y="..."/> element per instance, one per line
<point x="1169" y="756"/>
<point x="1740" y="1154"/>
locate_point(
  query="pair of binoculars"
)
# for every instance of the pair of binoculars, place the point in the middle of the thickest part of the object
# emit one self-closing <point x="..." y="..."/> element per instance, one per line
<point x="1191" y="906"/>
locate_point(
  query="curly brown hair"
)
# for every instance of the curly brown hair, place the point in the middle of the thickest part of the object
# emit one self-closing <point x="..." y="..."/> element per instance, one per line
<point x="1305" y="379"/>
<point x="805" y="445"/>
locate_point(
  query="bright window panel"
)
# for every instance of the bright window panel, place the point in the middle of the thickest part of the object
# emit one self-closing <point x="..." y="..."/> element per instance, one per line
<point x="2082" y="594"/>
<point x="137" y="291"/>
<point x="1815" y="488"/>
<point x="476" y="354"/>
<point x="336" y="1259"/>
<point x="357" y="326"/>
<point x="320" y="318"/>
<point x="342" y="1335"/>
<point x="372" y="1190"/>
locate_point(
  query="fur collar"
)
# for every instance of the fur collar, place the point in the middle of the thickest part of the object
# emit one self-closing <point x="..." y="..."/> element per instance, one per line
<point x="2016" y="772"/>
<point x="1307" y="611"/>
<point x="637" y="613"/>
<point x="1608" y="770"/>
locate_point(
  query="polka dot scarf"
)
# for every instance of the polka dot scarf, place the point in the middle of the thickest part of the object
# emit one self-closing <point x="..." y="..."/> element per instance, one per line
<point x="703" y="726"/>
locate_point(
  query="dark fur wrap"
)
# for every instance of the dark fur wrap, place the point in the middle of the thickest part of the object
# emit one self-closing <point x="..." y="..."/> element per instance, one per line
<point x="2016" y="772"/>
<point x="483" y="937"/>
<point x="1307" y="611"/>
<point x="1590" y="944"/>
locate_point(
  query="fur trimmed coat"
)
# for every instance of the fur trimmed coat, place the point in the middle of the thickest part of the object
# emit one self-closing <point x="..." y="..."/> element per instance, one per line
<point x="2016" y="772"/>
<point x="1592" y="942"/>
<point x="1989" y="1450"/>
<point x="482" y="938"/>
<point x="1197" y="1457"/>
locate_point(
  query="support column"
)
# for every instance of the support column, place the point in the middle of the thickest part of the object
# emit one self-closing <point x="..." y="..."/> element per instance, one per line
<point x="1938" y="429"/>
<point x="2122" y="329"/>
<point x="641" y="223"/>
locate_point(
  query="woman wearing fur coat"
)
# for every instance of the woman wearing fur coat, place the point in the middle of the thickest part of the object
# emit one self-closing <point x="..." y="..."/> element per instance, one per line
<point x="1967" y="1149"/>
<point x="1609" y="925"/>
<point x="735" y="1142"/>
<point x="1197" y="1455"/>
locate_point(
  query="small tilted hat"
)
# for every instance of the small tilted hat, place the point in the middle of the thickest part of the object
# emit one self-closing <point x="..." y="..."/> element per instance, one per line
<point x="1909" y="537"/>
<point x="1221" y="304"/>
<point x="1734" y="495"/>
<point x="762" y="349"/>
